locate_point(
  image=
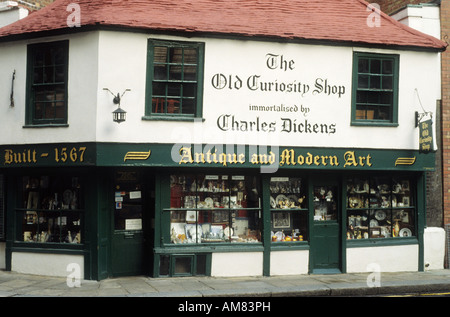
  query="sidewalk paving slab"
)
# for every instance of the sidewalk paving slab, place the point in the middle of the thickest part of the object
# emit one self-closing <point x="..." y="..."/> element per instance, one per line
<point x="22" y="285"/>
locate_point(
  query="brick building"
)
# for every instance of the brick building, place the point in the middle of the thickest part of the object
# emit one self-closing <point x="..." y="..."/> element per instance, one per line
<point x="438" y="182"/>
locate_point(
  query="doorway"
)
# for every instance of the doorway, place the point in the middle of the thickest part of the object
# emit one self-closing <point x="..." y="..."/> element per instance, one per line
<point x="132" y="211"/>
<point x="326" y="237"/>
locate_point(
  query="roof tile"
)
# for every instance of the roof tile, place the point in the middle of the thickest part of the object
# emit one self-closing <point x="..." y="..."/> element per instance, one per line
<point x="343" y="20"/>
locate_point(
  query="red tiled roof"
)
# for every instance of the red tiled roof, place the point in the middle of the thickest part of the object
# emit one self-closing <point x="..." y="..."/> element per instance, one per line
<point x="333" y="20"/>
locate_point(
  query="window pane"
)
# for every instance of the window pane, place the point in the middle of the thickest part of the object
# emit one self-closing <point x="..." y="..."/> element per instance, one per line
<point x="160" y="54"/>
<point x="190" y="73"/>
<point x="387" y="67"/>
<point x="158" y="105"/>
<point x="189" y="90"/>
<point x="363" y="81"/>
<point x="173" y="105"/>
<point x="289" y="215"/>
<point x="382" y="113"/>
<point x="175" y="55"/>
<point x="375" y="82"/>
<point x="59" y="110"/>
<point x="52" y="210"/>
<point x="174" y="90"/>
<point x="379" y="208"/>
<point x="188" y="106"/>
<point x="362" y="96"/>
<point x="363" y="65"/>
<point x="49" y="74"/>
<point x="175" y="72"/>
<point x="375" y="66"/>
<point x="38" y="77"/>
<point x="387" y="82"/>
<point x="160" y="72"/>
<point x="214" y="208"/>
<point x="159" y="89"/>
<point x="183" y="265"/>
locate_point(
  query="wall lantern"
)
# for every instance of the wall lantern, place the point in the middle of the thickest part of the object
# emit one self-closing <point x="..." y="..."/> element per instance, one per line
<point x="119" y="115"/>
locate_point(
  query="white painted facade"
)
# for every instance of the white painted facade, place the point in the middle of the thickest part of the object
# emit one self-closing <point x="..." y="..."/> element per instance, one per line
<point x="117" y="60"/>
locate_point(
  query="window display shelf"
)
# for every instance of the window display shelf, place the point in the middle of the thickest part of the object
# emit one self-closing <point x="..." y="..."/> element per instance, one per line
<point x="380" y="207"/>
<point x="214" y="209"/>
<point x="51" y="210"/>
<point x="289" y="215"/>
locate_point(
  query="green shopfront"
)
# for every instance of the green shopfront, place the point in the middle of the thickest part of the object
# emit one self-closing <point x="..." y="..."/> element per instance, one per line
<point x="182" y="210"/>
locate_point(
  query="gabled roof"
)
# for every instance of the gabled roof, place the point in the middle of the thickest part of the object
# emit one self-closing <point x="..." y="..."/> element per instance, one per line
<point x="315" y="20"/>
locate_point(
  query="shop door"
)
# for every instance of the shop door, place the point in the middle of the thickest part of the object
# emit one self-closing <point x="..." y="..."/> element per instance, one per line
<point x="325" y="237"/>
<point x="127" y="247"/>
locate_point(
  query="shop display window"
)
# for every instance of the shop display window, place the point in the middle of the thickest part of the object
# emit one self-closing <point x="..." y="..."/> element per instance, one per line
<point x="214" y="208"/>
<point x="380" y="207"/>
<point x="51" y="210"/>
<point x="289" y="213"/>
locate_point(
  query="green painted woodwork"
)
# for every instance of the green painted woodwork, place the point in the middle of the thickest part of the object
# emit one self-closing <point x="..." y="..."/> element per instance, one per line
<point x="160" y="155"/>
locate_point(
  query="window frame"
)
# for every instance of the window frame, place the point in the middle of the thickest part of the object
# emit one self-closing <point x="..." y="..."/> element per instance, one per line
<point x="224" y="213"/>
<point x="30" y="119"/>
<point x="149" y="115"/>
<point x="371" y="210"/>
<point x="393" y="121"/>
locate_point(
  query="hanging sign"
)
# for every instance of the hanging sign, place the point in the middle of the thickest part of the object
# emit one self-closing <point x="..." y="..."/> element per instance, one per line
<point x="425" y="136"/>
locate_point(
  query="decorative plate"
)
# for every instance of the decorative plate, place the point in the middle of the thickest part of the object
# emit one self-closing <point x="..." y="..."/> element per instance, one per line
<point x="273" y="203"/>
<point x="209" y="202"/>
<point x="227" y="232"/>
<point x="281" y="198"/>
<point x="405" y="232"/>
<point x="380" y="215"/>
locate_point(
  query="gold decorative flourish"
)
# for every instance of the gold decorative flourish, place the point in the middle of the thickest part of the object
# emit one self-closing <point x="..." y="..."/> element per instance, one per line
<point x="137" y="155"/>
<point x="405" y="161"/>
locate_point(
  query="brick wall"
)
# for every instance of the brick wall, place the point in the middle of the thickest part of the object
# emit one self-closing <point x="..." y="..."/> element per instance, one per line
<point x="445" y="33"/>
<point x="391" y="6"/>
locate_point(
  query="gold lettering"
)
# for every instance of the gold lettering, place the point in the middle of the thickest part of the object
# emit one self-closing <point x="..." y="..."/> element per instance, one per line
<point x="186" y="156"/>
<point x="287" y="157"/>
<point x="8" y="156"/>
<point x="199" y="158"/>
<point x="350" y="159"/>
<point x="242" y="158"/>
<point x="334" y="160"/>
<point x="309" y="159"/>
<point x="254" y="159"/>
<point x="368" y="162"/>
<point x="27" y="156"/>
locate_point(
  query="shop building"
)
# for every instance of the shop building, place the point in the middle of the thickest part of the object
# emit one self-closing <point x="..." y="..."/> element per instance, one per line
<point x="279" y="143"/>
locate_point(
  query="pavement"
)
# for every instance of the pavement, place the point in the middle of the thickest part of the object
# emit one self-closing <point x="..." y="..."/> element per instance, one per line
<point x="361" y="284"/>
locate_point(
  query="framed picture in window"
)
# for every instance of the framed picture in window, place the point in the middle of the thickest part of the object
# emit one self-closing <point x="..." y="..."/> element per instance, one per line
<point x="281" y="220"/>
